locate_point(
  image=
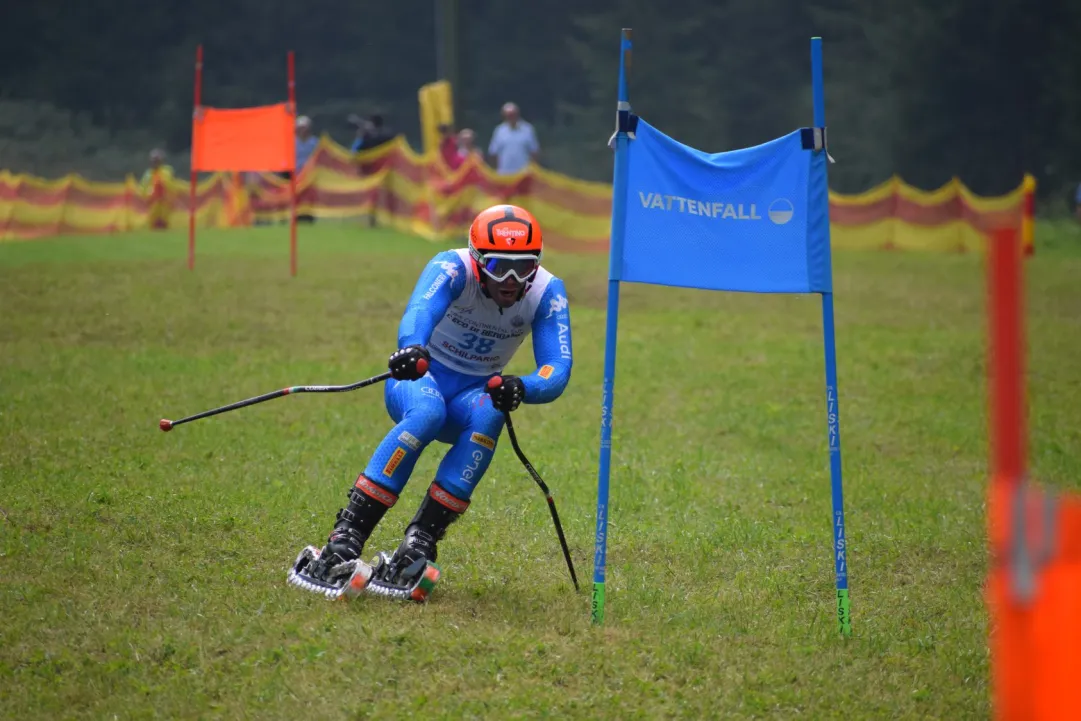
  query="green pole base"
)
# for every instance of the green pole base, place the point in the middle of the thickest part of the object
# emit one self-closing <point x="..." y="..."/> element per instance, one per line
<point x="844" y="613"/>
<point x="598" y="603"/>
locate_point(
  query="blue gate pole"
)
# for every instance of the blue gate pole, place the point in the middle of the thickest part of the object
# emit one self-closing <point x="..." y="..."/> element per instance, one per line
<point x="615" y="264"/>
<point x="844" y="615"/>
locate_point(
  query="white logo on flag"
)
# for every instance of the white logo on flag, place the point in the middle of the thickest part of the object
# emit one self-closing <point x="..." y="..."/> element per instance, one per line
<point x="781" y="211"/>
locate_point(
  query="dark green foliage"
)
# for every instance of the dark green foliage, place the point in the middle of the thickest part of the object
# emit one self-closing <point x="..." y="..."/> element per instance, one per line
<point x="929" y="89"/>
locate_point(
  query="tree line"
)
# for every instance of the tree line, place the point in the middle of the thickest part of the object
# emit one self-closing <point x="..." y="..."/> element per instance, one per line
<point x="984" y="90"/>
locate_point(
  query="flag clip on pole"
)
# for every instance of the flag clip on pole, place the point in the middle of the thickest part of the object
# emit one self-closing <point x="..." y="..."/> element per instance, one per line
<point x="621" y="141"/>
<point x="840" y="555"/>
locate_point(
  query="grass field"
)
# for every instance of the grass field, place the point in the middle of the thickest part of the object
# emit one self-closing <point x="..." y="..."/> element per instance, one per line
<point x="143" y="574"/>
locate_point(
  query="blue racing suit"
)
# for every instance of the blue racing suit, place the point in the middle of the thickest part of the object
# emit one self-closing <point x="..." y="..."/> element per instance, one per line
<point x="470" y="340"/>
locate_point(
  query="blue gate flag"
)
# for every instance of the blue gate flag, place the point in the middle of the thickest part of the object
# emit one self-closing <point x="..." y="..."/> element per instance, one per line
<point x="754" y="220"/>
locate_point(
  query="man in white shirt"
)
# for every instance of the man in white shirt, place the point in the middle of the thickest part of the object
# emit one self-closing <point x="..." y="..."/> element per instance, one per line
<point x="514" y="142"/>
<point x="306" y="141"/>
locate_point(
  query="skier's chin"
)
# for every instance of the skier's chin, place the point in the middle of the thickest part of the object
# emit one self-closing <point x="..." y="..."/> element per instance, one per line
<point x="505" y="294"/>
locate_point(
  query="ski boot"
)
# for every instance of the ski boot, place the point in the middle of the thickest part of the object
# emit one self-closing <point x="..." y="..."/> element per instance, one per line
<point x="336" y="570"/>
<point x="411" y="573"/>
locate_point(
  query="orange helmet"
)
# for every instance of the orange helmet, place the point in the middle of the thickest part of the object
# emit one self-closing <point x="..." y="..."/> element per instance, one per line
<point x="506" y="240"/>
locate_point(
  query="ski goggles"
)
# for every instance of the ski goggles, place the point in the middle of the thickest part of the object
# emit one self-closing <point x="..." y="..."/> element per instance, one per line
<point x="500" y="266"/>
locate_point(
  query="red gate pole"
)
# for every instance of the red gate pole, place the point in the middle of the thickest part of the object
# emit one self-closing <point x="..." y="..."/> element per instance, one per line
<point x="191" y="191"/>
<point x="1011" y="640"/>
<point x="293" y="175"/>
<point x="1007" y="357"/>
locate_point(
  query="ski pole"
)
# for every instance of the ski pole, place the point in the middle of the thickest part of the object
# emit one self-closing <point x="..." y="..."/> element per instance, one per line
<point x="167" y="425"/>
<point x="547" y="495"/>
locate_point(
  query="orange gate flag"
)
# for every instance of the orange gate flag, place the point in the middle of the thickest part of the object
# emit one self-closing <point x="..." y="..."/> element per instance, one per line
<point x="244" y="139"/>
<point x="1034" y="582"/>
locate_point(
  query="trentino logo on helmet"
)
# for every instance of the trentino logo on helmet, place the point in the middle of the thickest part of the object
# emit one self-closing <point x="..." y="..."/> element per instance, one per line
<point x="510" y="232"/>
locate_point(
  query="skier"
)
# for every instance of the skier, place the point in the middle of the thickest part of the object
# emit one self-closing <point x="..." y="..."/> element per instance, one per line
<point x="470" y="311"/>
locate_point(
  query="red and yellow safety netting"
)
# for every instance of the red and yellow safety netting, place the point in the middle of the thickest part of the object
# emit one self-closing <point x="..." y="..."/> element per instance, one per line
<point x="419" y="194"/>
<point x="34" y="208"/>
<point x="897" y="215"/>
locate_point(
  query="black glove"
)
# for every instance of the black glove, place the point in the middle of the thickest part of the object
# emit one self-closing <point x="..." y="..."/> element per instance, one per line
<point x="506" y="392"/>
<point x="409" y="363"/>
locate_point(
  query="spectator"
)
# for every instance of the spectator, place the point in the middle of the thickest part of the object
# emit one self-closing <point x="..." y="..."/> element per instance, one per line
<point x="514" y="142"/>
<point x="157" y="168"/>
<point x="306" y="145"/>
<point x="448" y="147"/>
<point x="1077" y="203"/>
<point x="154" y="183"/>
<point x="371" y="133"/>
<point x="466" y="140"/>
<point x="306" y="141"/>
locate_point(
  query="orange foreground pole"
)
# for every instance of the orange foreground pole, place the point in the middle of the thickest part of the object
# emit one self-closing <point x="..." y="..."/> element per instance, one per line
<point x="1034" y="587"/>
